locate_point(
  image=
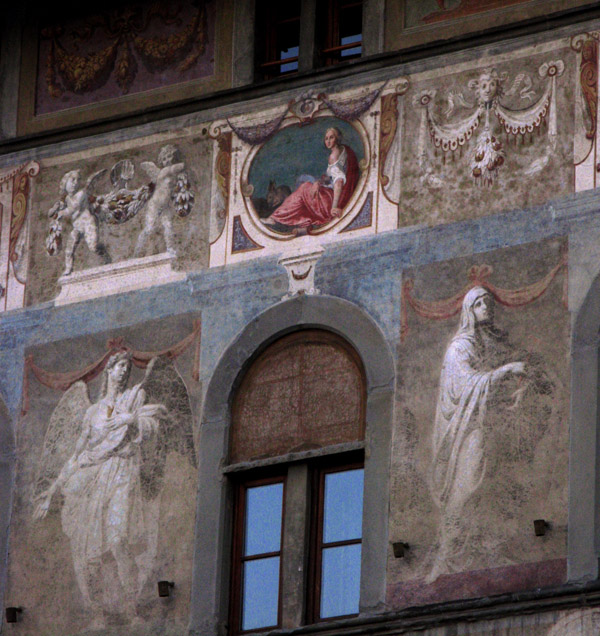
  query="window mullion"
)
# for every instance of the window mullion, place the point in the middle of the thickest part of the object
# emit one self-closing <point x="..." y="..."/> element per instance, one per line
<point x="308" y="20"/>
<point x="295" y="546"/>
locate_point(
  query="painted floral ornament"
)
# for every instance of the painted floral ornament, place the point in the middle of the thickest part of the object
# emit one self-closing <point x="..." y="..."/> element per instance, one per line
<point x="490" y="116"/>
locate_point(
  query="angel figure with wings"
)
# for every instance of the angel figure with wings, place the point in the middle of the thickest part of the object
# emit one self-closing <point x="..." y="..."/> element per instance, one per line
<point x="76" y="205"/>
<point x="170" y="185"/>
<point x="489" y="90"/>
<point x="104" y="463"/>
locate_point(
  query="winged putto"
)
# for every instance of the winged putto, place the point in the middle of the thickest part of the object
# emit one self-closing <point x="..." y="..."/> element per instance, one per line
<point x="81" y="210"/>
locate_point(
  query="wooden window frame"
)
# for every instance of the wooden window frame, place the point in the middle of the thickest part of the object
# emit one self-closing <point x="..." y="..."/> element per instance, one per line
<point x="267" y="58"/>
<point x="330" y="38"/>
<point x="241" y="486"/>
<point x="316" y="543"/>
<point x="317" y="469"/>
<point x="303" y="475"/>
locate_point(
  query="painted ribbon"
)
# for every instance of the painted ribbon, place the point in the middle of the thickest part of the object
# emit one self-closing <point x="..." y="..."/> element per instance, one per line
<point x="478" y="276"/>
<point x="62" y="381"/>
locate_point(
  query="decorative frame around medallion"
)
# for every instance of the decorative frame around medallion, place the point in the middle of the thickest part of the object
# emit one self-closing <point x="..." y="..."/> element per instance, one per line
<point x="353" y="206"/>
<point x="237" y="193"/>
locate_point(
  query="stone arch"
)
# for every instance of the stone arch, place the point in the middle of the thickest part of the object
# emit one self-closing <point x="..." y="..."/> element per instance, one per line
<point x="584" y="469"/>
<point x="211" y="564"/>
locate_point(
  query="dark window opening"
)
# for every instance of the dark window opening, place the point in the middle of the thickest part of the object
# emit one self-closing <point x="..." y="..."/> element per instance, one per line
<point x="278" y="38"/>
<point x="340" y="31"/>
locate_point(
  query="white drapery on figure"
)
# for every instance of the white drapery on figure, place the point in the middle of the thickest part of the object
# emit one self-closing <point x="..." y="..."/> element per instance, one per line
<point x="103" y="506"/>
<point x="471" y="370"/>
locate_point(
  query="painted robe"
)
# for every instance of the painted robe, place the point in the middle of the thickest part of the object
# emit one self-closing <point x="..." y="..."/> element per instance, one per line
<point x="103" y="503"/>
<point x="466" y="386"/>
<point x="303" y="209"/>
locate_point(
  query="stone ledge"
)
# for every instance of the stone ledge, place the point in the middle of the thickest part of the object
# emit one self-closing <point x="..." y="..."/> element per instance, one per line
<point x="561" y="598"/>
<point x="116" y="278"/>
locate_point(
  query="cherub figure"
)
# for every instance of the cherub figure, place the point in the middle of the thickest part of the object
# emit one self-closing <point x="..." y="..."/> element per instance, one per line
<point x="170" y="184"/>
<point x="76" y="205"/>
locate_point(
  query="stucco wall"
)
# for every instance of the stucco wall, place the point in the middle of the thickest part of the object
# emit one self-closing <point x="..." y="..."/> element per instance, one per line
<point x="388" y="272"/>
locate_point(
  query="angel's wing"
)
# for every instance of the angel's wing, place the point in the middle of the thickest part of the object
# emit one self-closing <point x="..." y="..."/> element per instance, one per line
<point x="62" y="435"/>
<point x="151" y="169"/>
<point x="164" y="385"/>
<point x="89" y="184"/>
<point x="122" y="171"/>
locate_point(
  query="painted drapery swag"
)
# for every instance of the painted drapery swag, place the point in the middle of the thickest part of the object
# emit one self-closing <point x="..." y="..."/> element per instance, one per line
<point x="478" y="276"/>
<point x="305" y="107"/>
<point x="488" y="154"/>
<point x="128" y="32"/>
<point x="63" y="381"/>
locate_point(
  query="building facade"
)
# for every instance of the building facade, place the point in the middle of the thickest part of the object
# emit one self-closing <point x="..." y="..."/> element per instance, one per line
<point x="299" y="315"/>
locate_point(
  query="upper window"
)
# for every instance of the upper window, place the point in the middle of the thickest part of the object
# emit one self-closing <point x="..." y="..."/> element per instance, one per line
<point x="339" y="31"/>
<point x="278" y="37"/>
<point x="332" y="34"/>
<point x="297" y="540"/>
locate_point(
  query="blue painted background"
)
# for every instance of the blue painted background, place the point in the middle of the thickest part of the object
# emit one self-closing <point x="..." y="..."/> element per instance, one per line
<point x="297" y="150"/>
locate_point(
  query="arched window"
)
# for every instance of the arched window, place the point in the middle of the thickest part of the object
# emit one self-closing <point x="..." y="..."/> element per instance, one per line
<point x="296" y="464"/>
<point x="305" y="391"/>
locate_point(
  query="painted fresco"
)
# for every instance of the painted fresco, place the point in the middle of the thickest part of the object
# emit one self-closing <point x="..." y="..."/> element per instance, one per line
<point x="586" y="109"/>
<point x="412" y="22"/>
<point x="489" y="138"/>
<point x="83" y="64"/>
<point x="123" y="51"/>
<point x="96" y="210"/>
<point x="512" y="131"/>
<point x="481" y="450"/>
<point x="15" y="194"/>
<point x="432" y="11"/>
<point x="300" y="175"/>
<point x="106" y="482"/>
<point x="297" y="173"/>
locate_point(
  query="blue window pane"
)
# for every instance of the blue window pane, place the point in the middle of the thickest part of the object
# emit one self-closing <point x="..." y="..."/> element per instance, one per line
<point x="350" y="39"/>
<point x="340" y="583"/>
<point x="263" y="519"/>
<point x="290" y="66"/>
<point x="343" y="506"/>
<point x="260" y="600"/>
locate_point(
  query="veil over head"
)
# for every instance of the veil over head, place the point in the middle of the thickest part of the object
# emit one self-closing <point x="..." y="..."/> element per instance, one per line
<point x="467" y="317"/>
